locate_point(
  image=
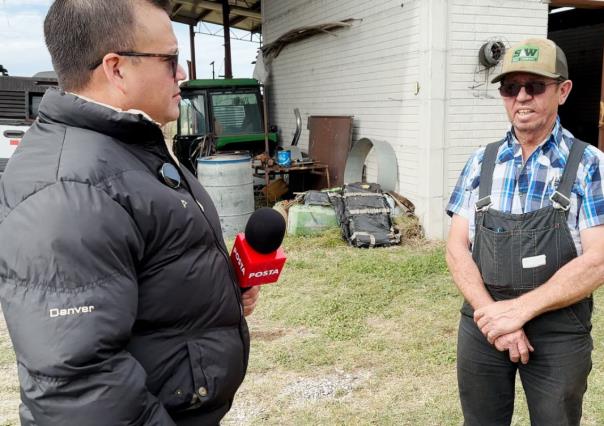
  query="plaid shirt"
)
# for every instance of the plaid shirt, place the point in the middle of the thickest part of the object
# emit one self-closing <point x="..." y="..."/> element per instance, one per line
<point x="521" y="188"/>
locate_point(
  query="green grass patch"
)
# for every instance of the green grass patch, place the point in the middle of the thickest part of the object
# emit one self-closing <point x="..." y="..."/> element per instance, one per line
<point x="354" y="337"/>
<point x="360" y="283"/>
<point x="389" y="315"/>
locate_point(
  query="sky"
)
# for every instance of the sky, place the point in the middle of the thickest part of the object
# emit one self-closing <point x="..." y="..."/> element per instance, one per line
<point x="23" y="52"/>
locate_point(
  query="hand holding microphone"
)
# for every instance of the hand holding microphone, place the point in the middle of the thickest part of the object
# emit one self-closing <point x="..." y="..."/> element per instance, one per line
<point x="256" y="256"/>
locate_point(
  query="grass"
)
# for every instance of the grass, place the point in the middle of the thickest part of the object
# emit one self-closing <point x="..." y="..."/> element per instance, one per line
<point x="353" y="337"/>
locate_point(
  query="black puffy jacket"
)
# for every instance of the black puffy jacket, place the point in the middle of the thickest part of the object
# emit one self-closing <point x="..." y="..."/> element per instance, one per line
<point x="117" y="290"/>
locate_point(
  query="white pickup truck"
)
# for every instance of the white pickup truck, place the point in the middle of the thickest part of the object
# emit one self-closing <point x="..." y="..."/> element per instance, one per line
<point x="10" y="136"/>
<point x="19" y="100"/>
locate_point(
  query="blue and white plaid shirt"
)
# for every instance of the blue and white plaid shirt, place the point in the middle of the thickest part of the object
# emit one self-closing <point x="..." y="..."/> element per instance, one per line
<point x="521" y="188"/>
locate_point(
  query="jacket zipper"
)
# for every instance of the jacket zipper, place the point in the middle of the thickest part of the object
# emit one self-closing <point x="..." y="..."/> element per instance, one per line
<point x="163" y="147"/>
<point x="231" y="273"/>
<point x="218" y="246"/>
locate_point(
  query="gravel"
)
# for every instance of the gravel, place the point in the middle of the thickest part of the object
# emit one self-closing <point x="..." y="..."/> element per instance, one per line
<point x="332" y="386"/>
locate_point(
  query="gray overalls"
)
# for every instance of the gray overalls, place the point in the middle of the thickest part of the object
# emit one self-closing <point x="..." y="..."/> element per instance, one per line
<point x="516" y="253"/>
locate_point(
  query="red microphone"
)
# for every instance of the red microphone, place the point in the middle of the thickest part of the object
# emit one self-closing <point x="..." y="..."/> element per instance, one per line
<point x="257" y="256"/>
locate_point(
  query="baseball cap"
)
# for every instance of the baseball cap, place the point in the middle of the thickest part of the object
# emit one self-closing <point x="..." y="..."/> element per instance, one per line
<point x="536" y="56"/>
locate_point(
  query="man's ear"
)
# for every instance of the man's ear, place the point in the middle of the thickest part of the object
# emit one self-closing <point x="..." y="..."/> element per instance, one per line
<point x="565" y="88"/>
<point x="114" y="69"/>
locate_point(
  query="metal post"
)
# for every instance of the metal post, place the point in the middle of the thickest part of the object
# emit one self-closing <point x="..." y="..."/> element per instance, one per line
<point x="601" y="120"/>
<point x="266" y="147"/>
<point x="228" y="71"/>
<point x="193" y="71"/>
<point x="265" y="114"/>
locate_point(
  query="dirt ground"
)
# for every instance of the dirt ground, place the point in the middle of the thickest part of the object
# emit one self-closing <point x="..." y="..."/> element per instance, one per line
<point x="299" y="390"/>
<point x="9" y="385"/>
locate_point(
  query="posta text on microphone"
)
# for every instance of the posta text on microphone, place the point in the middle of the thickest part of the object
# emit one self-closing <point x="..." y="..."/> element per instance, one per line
<point x="253" y="268"/>
<point x="257" y="256"/>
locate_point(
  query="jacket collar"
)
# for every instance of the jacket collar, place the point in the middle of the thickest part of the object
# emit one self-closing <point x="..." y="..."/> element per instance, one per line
<point x="133" y="127"/>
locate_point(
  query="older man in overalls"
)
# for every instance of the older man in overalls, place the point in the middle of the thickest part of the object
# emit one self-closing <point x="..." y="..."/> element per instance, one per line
<point x="526" y="250"/>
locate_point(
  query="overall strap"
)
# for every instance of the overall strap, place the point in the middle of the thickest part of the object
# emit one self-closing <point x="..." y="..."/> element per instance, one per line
<point x="561" y="196"/>
<point x="486" y="175"/>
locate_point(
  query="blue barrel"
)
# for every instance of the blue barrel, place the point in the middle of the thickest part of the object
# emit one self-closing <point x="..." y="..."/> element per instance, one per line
<point x="228" y="179"/>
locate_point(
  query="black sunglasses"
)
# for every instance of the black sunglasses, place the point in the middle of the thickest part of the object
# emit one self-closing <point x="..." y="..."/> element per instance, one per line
<point x="170" y="57"/>
<point x="532" y="88"/>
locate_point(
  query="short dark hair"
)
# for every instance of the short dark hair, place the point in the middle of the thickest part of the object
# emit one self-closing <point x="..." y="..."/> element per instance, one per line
<point x="80" y="32"/>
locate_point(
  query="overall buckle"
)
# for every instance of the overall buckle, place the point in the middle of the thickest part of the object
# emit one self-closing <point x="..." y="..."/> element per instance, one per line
<point x="560" y="201"/>
<point x="483" y="204"/>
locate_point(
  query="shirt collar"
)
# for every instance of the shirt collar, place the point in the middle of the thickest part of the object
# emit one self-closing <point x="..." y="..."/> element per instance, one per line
<point x="511" y="148"/>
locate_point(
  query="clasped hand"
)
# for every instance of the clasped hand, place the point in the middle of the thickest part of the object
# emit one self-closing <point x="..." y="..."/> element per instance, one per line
<point x="501" y="323"/>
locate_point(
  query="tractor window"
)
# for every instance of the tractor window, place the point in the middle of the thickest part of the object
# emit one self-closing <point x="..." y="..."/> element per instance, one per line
<point x="34" y="103"/>
<point x="192" y="118"/>
<point x="236" y="114"/>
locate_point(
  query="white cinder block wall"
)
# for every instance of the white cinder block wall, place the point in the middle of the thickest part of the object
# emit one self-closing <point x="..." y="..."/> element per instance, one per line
<point x="474" y="112"/>
<point x="373" y="69"/>
<point x="368" y="71"/>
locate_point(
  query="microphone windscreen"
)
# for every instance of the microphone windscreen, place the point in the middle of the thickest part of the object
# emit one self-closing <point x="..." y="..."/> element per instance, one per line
<point x="265" y="230"/>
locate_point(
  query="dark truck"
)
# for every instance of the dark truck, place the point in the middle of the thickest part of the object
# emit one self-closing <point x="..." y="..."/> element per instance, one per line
<point x="220" y="115"/>
<point x="19" y="100"/>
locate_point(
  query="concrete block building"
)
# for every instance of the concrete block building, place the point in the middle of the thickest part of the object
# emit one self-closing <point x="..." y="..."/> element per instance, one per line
<point x="409" y="73"/>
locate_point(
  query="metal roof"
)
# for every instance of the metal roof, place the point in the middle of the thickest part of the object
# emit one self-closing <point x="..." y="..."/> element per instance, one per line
<point x="244" y="14"/>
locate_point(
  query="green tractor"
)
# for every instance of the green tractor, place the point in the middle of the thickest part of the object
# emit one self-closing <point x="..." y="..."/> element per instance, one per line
<point x="220" y="115"/>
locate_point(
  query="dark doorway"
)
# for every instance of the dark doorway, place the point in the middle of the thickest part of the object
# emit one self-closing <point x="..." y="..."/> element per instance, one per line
<point x="580" y="33"/>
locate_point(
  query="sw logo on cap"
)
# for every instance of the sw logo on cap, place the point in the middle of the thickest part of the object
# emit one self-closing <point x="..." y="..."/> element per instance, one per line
<point x="526" y="53"/>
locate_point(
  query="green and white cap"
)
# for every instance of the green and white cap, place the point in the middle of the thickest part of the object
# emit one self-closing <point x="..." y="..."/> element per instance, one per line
<point x="536" y="56"/>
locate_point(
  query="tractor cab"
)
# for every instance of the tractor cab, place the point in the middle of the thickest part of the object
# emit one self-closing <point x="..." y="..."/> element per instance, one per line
<point x="219" y="115"/>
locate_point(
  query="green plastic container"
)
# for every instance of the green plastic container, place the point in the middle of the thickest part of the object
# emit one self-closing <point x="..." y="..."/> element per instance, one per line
<point x="307" y="220"/>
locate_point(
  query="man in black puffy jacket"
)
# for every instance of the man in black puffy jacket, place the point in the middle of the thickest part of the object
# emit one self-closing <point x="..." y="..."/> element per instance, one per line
<point x="115" y="282"/>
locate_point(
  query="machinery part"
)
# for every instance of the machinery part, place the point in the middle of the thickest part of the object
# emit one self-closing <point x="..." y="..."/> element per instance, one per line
<point x="491" y="53"/>
<point x="298" y="127"/>
<point x="387" y="175"/>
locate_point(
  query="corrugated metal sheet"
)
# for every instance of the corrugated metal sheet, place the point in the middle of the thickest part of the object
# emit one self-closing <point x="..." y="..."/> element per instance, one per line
<point x="12" y="104"/>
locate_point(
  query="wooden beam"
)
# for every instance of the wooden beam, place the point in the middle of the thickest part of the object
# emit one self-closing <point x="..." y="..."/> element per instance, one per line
<point x="256" y="28"/>
<point x="175" y="9"/>
<point x="205" y="4"/>
<point x="236" y="19"/>
<point x="203" y="14"/>
<point x="184" y="20"/>
<point x="589" y="4"/>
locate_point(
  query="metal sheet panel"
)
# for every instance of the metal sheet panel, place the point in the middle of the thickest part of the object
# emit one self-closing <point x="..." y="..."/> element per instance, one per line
<point x="330" y="141"/>
<point x="387" y="175"/>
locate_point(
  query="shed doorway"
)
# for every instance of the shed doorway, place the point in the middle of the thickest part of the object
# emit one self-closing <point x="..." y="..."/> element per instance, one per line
<point x="579" y="31"/>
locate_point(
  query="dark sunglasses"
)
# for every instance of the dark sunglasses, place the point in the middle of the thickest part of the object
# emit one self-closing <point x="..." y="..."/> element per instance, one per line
<point x="532" y="88"/>
<point x="170" y="57"/>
